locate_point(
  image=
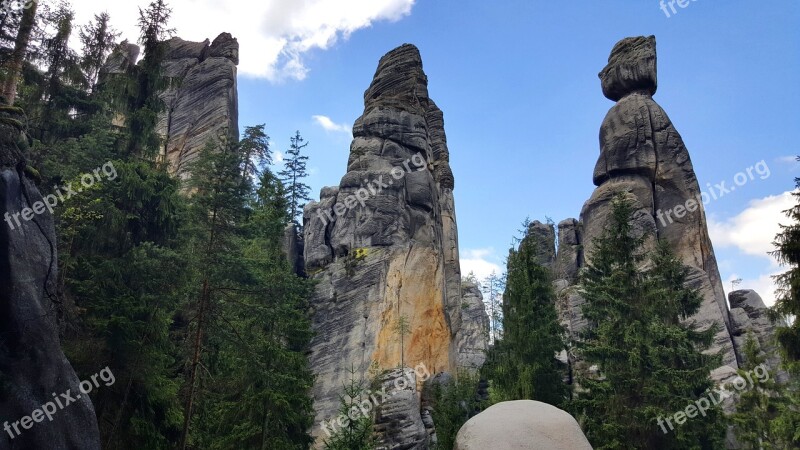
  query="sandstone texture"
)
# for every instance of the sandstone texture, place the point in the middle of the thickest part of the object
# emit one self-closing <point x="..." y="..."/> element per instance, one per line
<point x="383" y="245"/>
<point x="201" y="102"/>
<point x="473" y="335"/>
<point x="643" y="156"/>
<point x="522" y="424"/>
<point x="398" y="422"/>
<point x="32" y="365"/>
<point x="749" y="314"/>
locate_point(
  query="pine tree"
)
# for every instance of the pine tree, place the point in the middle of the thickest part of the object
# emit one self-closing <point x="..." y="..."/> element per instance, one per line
<point x="787" y="304"/>
<point x="761" y="404"/>
<point x="355" y="434"/>
<point x="402" y="328"/>
<point x="297" y="192"/>
<point x="246" y="363"/>
<point x="144" y="103"/>
<point x="17" y="56"/>
<point x="492" y="288"/>
<point x="651" y="363"/>
<point x="98" y="39"/>
<point x="522" y="364"/>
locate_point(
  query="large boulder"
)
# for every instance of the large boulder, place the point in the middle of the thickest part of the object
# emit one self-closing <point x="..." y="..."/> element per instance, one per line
<point x="473" y="336"/>
<point x="521" y="425"/>
<point x="33" y="369"/>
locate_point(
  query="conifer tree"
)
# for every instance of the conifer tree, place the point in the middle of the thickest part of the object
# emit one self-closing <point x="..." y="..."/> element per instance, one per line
<point x="761" y="404"/>
<point x="787" y="305"/>
<point x="355" y="434"/>
<point x="492" y="288"/>
<point x="650" y="361"/>
<point x="522" y="364"/>
<point x="98" y="39"/>
<point x="297" y="192"/>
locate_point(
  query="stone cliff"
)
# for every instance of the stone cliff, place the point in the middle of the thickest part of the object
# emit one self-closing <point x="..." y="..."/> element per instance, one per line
<point x="33" y="368"/>
<point x="201" y="101"/>
<point x="383" y="245"/>
<point x="201" y="98"/>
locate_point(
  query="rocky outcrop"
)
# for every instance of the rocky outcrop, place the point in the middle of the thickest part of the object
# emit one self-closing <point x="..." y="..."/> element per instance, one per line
<point x="32" y="366"/>
<point x="522" y="424"/>
<point x="383" y="245"/>
<point x="643" y="156"/>
<point x="201" y="102"/>
<point x="472" y="341"/>
<point x="748" y="314"/>
<point x="398" y="422"/>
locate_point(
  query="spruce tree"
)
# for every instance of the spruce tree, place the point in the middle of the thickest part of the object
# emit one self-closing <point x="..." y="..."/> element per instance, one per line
<point x="492" y="289"/>
<point x="297" y="192"/>
<point x="355" y="434"/>
<point x="759" y="406"/>
<point x="522" y="364"/>
<point x="97" y="39"/>
<point x="650" y="360"/>
<point x="787" y="305"/>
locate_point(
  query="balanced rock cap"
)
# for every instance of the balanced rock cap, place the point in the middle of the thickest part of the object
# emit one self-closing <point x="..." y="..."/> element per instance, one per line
<point x="631" y="68"/>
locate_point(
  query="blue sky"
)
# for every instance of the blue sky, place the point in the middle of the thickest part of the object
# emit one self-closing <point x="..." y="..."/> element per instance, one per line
<point x="517" y="81"/>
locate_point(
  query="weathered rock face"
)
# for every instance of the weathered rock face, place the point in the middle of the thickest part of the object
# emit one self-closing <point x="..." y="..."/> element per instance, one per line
<point x="398" y="422"/>
<point x="473" y="337"/>
<point x="643" y="156"/>
<point x="202" y="101"/>
<point x="522" y="424"/>
<point x="32" y="365"/>
<point x="749" y="314"/>
<point x="383" y="245"/>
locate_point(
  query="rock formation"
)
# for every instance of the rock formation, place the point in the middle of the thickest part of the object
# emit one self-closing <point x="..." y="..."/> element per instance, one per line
<point x="522" y="424"/>
<point x="32" y="366"/>
<point x="749" y="314"/>
<point x="642" y="155"/>
<point x="398" y="422"/>
<point x="472" y="340"/>
<point x="383" y="245"/>
<point x="201" y="101"/>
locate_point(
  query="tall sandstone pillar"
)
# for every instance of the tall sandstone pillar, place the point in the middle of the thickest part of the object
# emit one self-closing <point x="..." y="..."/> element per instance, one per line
<point x="642" y="154"/>
<point x="383" y="245"/>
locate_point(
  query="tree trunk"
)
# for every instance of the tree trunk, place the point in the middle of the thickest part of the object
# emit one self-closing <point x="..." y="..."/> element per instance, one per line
<point x="18" y="56"/>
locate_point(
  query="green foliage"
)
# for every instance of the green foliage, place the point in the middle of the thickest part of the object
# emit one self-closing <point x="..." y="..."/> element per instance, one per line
<point x="402" y="328"/>
<point x="787" y="305"/>
<point x="492" y="289"/>
<point x="759" y="406"/>
<point x="297" y="192"/>
<point x="651" y="363"/>
<point x="454" y="403"/>
<point x="522" y="364"/>
<point x="355" y="434"/>
<point x="252" y="331"/>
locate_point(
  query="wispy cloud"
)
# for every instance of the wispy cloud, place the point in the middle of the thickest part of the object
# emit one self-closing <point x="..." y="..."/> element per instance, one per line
<point x="274" y="35"/>
<point x="481" y="262"/>
<point x="329" y="125"/>
<point x="753" y="230"/>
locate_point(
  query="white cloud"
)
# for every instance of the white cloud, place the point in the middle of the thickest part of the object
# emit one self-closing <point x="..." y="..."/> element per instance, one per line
<point x="753" y="230"/>
<point x="478" y="261"/>
<point x="329" y="125"/>
<point x="277" y="156"/>
<point x="274" y="35"/>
